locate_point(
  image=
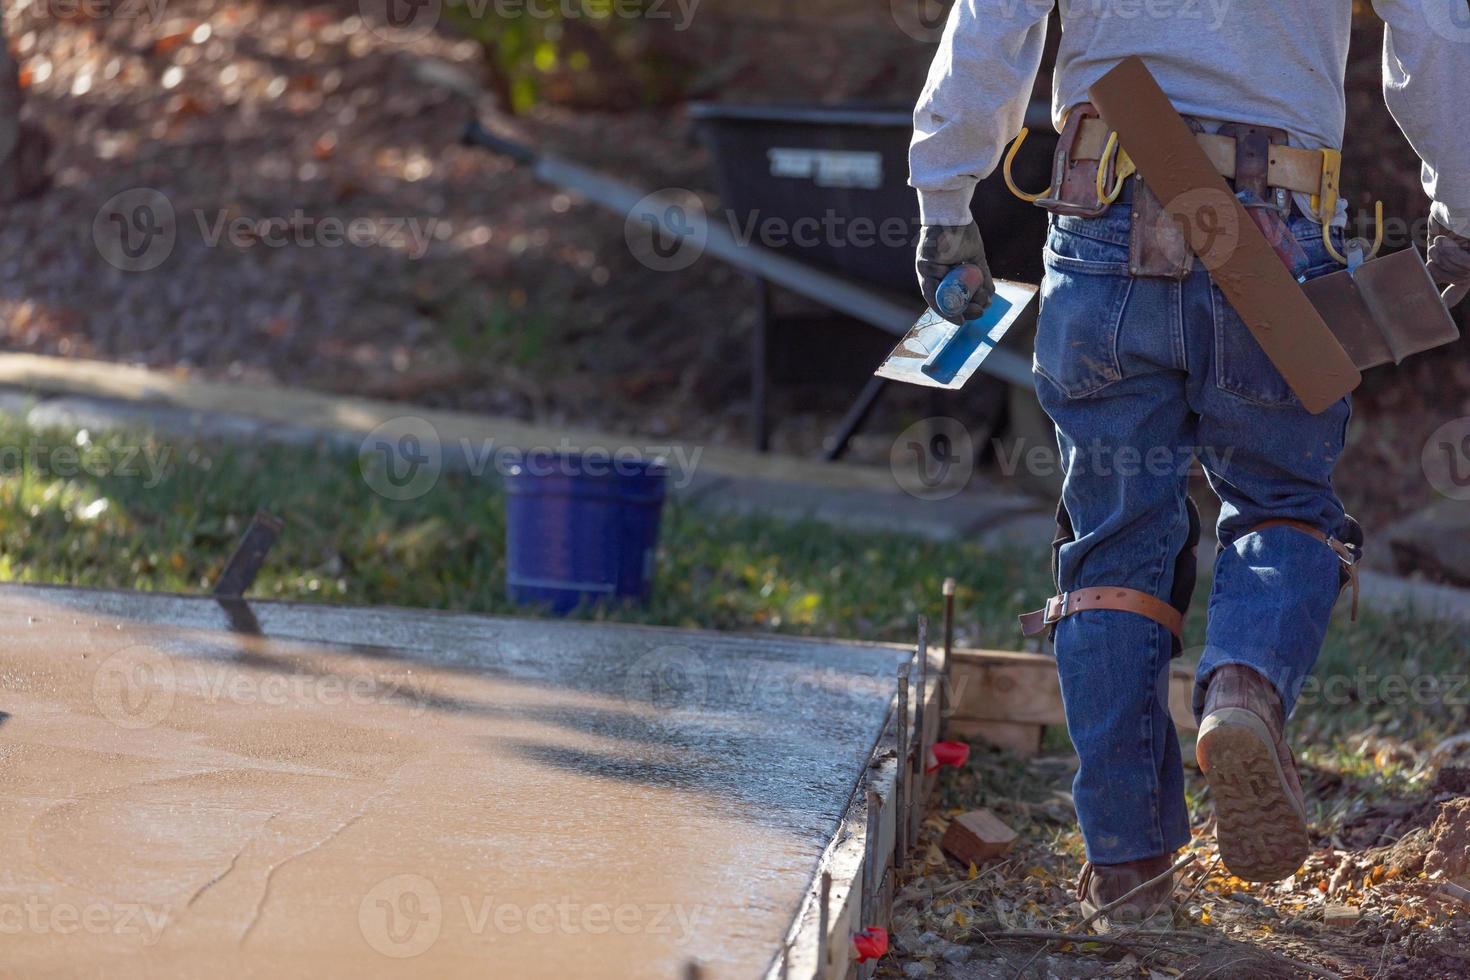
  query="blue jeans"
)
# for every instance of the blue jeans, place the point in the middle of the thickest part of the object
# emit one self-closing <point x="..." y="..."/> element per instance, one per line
<point x="1140" y="375"/>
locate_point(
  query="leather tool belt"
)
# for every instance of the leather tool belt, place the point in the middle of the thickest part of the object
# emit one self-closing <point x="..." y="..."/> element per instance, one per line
<point x="1090" y="168"/>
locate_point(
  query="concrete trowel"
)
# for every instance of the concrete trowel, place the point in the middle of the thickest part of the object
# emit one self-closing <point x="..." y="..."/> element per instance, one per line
<point x="936" y="353"/>
<point x="1385" y="309"/>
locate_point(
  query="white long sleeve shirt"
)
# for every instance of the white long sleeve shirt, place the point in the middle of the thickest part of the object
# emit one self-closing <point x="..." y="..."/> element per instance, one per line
<point x="1278" y="63"/>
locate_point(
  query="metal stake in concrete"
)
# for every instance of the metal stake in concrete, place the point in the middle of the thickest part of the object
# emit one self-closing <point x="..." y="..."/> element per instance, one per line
<point x="244" y="564"/>
<point x="921" y="735"/>
<point x="824" y="945"/>
<point x="871" y="857"/>
<point x="923" y="696"/>
<point x="901" y="777"/>
<point x="949" y="590"/>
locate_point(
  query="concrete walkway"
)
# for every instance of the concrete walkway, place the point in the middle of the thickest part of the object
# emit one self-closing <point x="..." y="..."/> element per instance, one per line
<point x="100" y="396"/>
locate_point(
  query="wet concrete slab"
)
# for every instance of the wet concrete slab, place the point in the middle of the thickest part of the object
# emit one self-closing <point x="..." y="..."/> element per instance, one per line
<point x="300" y="790"/>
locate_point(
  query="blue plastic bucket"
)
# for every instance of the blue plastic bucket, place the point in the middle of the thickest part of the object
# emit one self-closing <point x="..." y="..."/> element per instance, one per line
<point x="581" y="528"/>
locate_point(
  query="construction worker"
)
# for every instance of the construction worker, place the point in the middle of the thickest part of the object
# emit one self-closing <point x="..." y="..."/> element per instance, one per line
<point x="1141" y="362"/>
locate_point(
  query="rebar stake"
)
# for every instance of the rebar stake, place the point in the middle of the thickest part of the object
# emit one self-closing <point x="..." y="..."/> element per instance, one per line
<point x="824" y="950"/>
<point x="900" y="779"/>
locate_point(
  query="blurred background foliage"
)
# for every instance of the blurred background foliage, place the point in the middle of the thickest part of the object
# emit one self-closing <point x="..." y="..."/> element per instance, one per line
<point x="609" y="56"/>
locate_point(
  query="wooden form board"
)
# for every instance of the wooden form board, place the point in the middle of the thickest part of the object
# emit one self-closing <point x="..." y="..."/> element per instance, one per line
<point x="1224" y="236"/>
<point x="989" y="687"/>
<point x="863" y="857"/>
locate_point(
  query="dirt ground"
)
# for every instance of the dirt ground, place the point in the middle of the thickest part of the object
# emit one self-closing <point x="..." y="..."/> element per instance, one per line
<point x="477" y="288"/>
<point x="1376" y="898"/>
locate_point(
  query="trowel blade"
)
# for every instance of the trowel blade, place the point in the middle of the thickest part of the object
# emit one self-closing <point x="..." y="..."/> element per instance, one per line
<point x="938" y="354"/>
<point x="1384" y="311"/>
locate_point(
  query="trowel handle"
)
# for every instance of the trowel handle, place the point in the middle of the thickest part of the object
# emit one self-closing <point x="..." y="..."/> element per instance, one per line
<point x="1454" y="294"/>
<point x="955" y="292"/>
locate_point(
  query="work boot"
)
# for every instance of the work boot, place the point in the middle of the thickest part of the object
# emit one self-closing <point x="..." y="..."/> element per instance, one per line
<point x="1260" y="815"/>
<point x="1104" y="883"/>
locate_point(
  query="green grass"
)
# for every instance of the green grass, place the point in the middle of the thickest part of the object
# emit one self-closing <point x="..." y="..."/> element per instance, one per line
<point x="174" y="529"/>
<point x="172" y="522"/>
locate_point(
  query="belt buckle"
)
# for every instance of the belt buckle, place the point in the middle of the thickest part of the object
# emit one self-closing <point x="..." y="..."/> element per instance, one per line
<point x="1056" y="609"/>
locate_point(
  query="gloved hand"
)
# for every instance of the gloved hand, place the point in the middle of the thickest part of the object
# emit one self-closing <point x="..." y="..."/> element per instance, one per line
<point x="941" y="248"/>
<point x="1449" y="256"/>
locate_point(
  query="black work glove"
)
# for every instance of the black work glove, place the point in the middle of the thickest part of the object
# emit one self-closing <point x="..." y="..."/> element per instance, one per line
<point x="1449" y="256"/>
<point x="941" y="248"/>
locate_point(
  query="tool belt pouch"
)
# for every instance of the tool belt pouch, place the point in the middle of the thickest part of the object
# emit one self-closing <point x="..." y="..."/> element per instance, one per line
<point x="1073" y="190"/>
<point x="1157" y="247"/>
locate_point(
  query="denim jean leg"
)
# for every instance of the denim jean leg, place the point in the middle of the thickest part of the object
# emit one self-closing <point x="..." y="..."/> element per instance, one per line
<point x="1266" y="457"/>
<point x="1108" y="375"/>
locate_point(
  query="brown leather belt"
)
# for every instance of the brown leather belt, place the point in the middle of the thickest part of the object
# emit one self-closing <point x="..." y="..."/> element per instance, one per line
<point x="1119" y="599"/>
<point x="1295" y="169"/>
<point x="1059" y="607"/>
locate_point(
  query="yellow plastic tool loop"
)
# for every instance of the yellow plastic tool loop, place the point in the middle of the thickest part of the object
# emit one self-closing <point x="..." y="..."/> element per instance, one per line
<point x="1006" y="170"/>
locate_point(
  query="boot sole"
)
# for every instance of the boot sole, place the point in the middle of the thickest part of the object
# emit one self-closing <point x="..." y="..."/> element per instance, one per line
<point x="1261" y="828"/>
